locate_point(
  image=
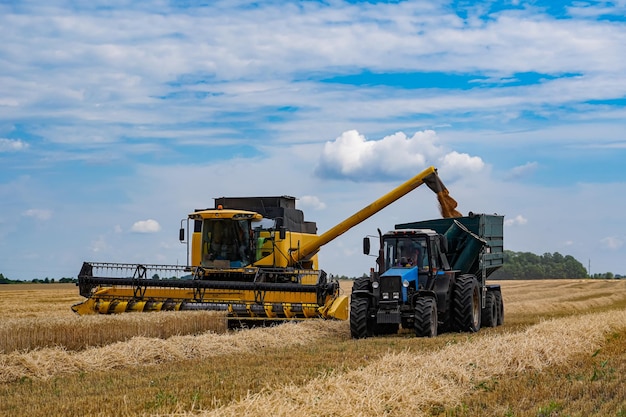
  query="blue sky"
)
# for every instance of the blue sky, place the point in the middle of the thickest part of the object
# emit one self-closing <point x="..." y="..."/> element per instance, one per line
<point x="118" y="118"/>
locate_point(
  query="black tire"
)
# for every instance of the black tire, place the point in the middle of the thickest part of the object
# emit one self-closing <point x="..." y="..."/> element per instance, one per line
<point x="358" y="310"/>
<point x="362" y="283"/>
<point x="425" y="322"/>
<point x="500" y="305"/>
<point x="466" y="304"/>
<point x="358" y="317"/>
<point x="490" y="311"/>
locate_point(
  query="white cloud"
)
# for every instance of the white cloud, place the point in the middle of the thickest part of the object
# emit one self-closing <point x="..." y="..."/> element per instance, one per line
<point x="352" y="156"/>
<point x="99" y="245"/>
<point x="612" y="242"/>
<point x="522" y="171"/>
<point x="458" y="163"/>
<point x="310" y="201"/>
<point x="516" y="221"/>
<point x="146" y="226"/>
<point x="12" y="145"/>
<point x="39" y="214"/>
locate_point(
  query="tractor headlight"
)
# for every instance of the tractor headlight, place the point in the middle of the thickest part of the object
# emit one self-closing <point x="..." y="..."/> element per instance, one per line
<point x="375" y="284"/>
<point x="405" y="283"/>
<point x="396" y="295"/>
<point x="385" y="296"/>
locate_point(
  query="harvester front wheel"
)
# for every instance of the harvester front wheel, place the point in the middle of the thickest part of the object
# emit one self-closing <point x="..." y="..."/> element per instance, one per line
<point x="425" y="322"/>
<point x="466" y="304"/>
<point x="358" y="318"/>
<point x="490" y="311"/>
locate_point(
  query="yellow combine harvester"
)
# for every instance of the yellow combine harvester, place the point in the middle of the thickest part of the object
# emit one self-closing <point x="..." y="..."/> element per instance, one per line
<point x="254" y="258"/>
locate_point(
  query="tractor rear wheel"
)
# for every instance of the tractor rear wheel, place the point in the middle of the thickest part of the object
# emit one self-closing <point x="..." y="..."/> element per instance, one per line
<point x="490" y="311"/>
<point x="466" y="304"/>
<point x="425" y="322"/>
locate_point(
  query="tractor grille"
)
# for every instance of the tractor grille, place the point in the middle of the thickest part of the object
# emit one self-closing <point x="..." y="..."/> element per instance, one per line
<point x="390" y="288"/>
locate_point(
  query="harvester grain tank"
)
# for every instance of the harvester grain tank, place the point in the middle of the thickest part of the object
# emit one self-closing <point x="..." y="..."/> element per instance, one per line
<point x="255" y="258"/>
<point x="431" y="277"/>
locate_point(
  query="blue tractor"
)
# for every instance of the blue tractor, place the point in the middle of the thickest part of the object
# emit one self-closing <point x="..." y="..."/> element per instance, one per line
<point x="431" y="278"/>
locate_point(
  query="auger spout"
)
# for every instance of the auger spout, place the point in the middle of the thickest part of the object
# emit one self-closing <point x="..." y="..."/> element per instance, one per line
<point x="428" y="176"/>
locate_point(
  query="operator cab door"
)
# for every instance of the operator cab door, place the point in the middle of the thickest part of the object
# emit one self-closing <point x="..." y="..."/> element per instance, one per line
<point x="226" y="243"/>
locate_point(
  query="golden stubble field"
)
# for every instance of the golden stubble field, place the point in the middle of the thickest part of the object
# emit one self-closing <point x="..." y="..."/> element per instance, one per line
<point x="561" y="352"/>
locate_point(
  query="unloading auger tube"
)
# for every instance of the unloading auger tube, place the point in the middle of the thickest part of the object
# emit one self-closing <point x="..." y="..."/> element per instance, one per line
<point x="248" y="291"/>
<point x="428" y="176"/>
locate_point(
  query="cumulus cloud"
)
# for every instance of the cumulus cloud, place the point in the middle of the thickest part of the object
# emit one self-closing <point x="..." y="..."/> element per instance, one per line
<point x="39" y="214"/>
<point x="516" y="221"/>
<point x="146" y="226"/>
<point x="522" y="171"/>
<point x="455" y="162"/>
<point x="12" y="145"/>
<point x="612" y="242"/>
<point x="98" y="245"/>
<point x="309" y="201"/>
<point x="352" y="156"/>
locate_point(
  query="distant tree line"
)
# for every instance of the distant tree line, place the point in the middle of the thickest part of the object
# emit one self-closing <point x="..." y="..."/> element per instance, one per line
<point x="527" y="265"/>
<point x="5" y="280"/>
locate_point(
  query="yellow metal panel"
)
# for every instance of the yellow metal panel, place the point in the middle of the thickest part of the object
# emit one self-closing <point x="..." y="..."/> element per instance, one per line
<point x="339" y="309"/>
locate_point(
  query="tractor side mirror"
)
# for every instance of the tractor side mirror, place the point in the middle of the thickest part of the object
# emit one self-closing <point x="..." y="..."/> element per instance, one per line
<point x="366" y="245"/>
<point x="181" y="234"/>
<point x="282" y="232"/>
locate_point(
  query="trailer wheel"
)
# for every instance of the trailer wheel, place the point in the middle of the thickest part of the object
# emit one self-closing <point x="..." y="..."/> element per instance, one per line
<point x="490" y="311"/>
<point x="500" y="305"/>
<point x="466" y="304"/>
<point x="425" y="322"/>
<point x="358" y="318"/>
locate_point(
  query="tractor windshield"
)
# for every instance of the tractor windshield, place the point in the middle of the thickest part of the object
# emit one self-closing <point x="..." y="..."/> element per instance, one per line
<point x="226" y="240"/>
<point x="406" y="251"/>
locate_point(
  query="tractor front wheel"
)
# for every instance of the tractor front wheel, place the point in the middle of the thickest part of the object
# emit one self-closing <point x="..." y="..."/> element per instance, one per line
<point x="358" y="318"/>
<point x="425" y="322"/>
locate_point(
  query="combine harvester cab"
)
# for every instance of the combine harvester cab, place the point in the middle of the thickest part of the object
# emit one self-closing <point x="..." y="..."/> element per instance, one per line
<point x="254" y="258"/>
<point x="431" y="277"/>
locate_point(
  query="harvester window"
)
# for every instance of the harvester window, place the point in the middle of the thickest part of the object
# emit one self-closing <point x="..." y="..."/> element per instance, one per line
<point x="226" y="240"/>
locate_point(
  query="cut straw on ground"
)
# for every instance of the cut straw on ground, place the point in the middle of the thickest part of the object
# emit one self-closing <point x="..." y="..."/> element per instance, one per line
<point x="142" y="351"/>
<point x="406" y="384"/>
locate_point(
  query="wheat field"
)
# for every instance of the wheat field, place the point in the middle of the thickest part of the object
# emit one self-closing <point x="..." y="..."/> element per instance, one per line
<point x="561" y="351"/>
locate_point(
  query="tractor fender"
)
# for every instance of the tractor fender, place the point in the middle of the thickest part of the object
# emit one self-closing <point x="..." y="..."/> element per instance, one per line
<point x="362" y="294"/>
<point x="421" y="294"/>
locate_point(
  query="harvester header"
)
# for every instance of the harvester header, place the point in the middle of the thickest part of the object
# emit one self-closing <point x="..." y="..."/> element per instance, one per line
<point x="255" y="258"/>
